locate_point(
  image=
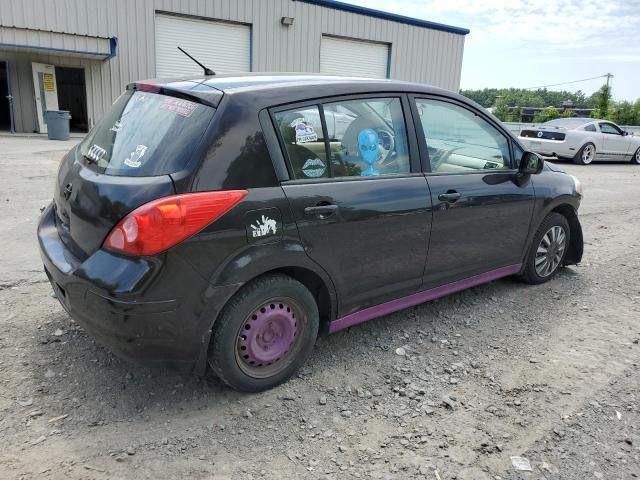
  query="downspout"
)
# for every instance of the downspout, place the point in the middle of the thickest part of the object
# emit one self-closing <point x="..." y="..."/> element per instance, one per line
<point x="113" y="48"/>
<point x="12" y="125"/>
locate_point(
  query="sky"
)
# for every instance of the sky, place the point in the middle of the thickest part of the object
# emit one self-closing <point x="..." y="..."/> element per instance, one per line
<point x="528" y="43"/>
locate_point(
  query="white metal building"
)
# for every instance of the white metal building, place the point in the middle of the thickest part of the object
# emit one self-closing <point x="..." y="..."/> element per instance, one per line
<point x="78" y="55"/>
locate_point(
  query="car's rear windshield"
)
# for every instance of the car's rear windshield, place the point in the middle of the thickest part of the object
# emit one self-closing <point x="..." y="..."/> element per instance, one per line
<point x="145" y="134"/>
<point x="569" y="123"/>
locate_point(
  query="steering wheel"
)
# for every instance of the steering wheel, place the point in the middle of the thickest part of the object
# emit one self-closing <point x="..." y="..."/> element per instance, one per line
<point x="386" y="144"/>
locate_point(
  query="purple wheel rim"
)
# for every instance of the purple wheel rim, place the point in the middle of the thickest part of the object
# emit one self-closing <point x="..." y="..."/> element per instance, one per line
<point x="269" y="337"/>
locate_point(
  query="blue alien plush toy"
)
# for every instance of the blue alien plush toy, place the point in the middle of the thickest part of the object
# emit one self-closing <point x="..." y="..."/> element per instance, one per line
<point x="368" y="144"/>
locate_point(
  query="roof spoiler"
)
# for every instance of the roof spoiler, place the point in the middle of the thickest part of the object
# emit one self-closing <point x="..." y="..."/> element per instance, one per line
<point x="188" y="90"/>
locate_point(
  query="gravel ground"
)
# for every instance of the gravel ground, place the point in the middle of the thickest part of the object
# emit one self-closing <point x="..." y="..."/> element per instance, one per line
<point x="447" y="390"/>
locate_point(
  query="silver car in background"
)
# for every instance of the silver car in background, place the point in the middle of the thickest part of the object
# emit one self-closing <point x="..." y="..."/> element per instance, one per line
<point x="582" y="140"/>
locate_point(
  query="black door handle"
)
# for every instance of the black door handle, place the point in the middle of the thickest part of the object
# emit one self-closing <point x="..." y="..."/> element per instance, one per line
<point x="321" y="210"/>
<point x="451" y="196"/>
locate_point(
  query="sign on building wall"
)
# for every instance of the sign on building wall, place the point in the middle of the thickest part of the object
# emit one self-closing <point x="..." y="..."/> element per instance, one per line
<point x="49" y="83"/>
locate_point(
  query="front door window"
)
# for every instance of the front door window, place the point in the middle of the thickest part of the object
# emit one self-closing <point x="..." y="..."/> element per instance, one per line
<point x="610" y="129"/>
<point x="459" y="141"/>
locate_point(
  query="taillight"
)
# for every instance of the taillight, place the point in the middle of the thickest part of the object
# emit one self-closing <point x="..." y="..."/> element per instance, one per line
<point x="148" y="87"/>
<point x="159" y="225"/>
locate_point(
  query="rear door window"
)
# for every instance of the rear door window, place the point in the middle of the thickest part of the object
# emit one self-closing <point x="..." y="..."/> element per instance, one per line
<point x="369" y="138"/>
<point x="301" y="133"/>
<point x="146" y="134"/>
<point x="365" y="138"/>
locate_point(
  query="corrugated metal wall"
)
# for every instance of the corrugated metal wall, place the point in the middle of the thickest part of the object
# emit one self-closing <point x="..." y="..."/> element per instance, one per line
<point x="417" y="54"/>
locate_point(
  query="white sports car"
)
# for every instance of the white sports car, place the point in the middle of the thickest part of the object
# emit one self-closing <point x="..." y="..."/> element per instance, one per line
<point x="582" y="140"/>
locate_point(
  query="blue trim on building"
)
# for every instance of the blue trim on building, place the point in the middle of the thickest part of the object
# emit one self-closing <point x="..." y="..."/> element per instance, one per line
<point x="113" y="47"/>
<point x="111" y="54"/>
<point x="347" y="7"/>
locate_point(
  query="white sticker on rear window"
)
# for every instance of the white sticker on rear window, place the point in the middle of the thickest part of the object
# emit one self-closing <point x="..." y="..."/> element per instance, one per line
<point x="134" y="158"/>
<point x="176" y="105"/>
<point x="117" y="126"/>
<point x="304" y="130"/>
<point x="96" y="153"/>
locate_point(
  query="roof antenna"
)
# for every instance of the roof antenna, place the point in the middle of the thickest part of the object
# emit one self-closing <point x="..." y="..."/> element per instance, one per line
<point x="207" y="71"/>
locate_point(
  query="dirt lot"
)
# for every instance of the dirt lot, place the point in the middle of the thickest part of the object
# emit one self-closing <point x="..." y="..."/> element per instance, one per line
<point x="550" y="373"/>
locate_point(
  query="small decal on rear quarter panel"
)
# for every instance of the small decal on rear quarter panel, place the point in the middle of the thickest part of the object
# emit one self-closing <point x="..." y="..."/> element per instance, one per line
<point x="263" y="225"/>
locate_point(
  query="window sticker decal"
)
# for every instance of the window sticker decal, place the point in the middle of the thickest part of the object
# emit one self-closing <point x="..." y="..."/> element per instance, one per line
<point x="313" y="168"/>
<point x="181" y="107"/>
<point x="263" y="227"/>
<point x="304" y="130"/>
<point x="96" y="153"/>
<point x="117" y="126"/>
<point x="134" y="159"/>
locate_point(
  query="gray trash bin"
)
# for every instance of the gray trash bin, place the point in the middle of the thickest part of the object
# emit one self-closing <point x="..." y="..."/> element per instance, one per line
<point x="57" y="124"/>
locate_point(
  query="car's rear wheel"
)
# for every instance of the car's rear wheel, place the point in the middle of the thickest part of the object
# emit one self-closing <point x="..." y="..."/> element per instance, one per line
<point x="548" y="250"/>
<point x="586" y="155"/>
<point x="636" y="157"/>
<point x="264" y="334"/>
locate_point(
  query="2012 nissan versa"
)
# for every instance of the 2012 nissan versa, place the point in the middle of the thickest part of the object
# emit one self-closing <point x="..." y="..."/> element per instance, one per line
<point x="230" y="220"/>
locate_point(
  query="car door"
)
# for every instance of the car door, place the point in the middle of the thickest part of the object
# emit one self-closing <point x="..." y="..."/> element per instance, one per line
<point x="481" y="217"/>
<point x="361" y="204"/>
<point x="615" y="145"/>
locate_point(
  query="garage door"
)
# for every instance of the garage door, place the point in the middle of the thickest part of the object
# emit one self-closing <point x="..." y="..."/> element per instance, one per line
<point x="223" y="47"/>
<point x="341" y="56"/>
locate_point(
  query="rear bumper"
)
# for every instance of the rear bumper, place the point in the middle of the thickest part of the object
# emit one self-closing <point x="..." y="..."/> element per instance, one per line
<point x="148" y="310"/>
<point x="548" y="147"/>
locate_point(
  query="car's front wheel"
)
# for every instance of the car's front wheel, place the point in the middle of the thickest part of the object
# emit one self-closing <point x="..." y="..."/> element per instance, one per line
<point x="636" y="157"/>
<point x="264" y="334"/>
<point x="586" y="155"/>
<point x="548" y="250"/>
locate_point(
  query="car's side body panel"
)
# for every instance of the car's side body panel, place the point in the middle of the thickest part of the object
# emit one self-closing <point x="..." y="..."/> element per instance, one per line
<point x="422" y="296"/>
<point x="487" y="228"/>
<point x="374" y="244"/>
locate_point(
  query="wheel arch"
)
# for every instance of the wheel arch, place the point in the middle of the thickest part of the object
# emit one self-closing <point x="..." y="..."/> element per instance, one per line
<point x="567" y="206"/>
<point x="585" y="142"/>
<point x="314" y="279"/>
<point x="576" y="241"/>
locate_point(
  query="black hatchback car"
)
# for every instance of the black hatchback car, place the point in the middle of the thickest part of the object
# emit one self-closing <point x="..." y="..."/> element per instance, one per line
<point x="230" y="220"/>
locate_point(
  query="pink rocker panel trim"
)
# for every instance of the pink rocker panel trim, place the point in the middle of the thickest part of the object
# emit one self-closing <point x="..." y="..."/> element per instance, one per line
<point x="420" y="297"/>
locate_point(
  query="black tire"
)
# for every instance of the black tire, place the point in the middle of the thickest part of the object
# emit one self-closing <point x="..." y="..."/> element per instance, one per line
<point x="636" y="157"/>
<point x="579" y="160"/>
<point x="267" y="301"/>
<point x="530" y="273"/>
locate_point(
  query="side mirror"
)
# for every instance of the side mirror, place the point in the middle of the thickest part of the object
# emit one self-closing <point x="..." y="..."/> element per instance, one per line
<point x="530" y="164"/>
<point x="625" y="133"/>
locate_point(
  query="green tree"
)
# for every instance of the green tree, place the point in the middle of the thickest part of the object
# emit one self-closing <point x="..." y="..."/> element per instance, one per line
<point x="547" y="114"/>
<point x="501" y="110"/>
<point x="601" y="99"/>
<point x="624" y="113"/>
<point x="528" y="98"/>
